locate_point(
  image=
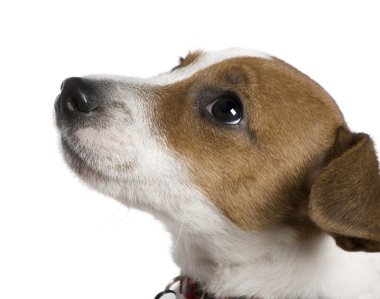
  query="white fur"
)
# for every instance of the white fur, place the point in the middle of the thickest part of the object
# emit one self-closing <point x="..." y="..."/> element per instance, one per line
<point x="205" y="60"/>
<point x="272" y="264"/>
<point x="207" y="246"/>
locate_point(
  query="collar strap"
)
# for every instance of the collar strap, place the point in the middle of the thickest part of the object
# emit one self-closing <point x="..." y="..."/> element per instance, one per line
<point x="191" y="289"/>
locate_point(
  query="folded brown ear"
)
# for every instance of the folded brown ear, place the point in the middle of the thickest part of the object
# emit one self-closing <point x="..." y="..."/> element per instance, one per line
<point x="345" y="193"/>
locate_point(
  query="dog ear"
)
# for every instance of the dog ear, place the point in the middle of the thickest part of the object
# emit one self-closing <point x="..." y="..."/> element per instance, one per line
<point x="345" y="193"/>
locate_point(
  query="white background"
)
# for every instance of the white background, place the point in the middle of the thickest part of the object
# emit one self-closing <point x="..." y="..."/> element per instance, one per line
<point x="58" y="239"/>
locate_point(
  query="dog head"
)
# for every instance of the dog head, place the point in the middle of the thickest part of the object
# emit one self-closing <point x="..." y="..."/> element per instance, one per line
<point x="235" y="137"/>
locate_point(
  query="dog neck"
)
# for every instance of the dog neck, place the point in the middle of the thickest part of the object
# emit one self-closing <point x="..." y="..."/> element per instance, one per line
<point x="273" y="264"/>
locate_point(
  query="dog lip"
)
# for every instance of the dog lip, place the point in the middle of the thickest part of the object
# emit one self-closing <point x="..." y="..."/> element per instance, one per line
<point x="77" y="163"/>
<point x="70" y="150"/>
<point x="57" y="110"/>
<point x="84" y="169"/>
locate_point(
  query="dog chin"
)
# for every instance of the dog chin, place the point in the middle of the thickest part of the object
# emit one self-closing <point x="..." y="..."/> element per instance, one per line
<point x="78" y="165"/>
<point x="90" y="166"/>
<point x="116" y="182"/>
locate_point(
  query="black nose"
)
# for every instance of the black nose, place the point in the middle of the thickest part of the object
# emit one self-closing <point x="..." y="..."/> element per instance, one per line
<point x="77" y="98"/>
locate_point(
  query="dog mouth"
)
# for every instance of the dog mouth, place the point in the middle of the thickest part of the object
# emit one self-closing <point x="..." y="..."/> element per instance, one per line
<point x="104" y="149"/>
<point x="90" y="165"/>
<point x="79" y="164"/>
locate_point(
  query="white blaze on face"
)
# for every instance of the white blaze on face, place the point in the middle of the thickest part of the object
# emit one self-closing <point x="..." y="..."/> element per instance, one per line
<point x="205" y="60"/>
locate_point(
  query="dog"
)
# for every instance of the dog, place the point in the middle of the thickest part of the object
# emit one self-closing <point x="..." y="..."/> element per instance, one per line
<point x="249" y="164"/>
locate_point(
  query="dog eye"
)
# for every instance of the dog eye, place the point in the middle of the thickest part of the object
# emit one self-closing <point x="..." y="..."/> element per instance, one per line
<point x="227" y="110"/>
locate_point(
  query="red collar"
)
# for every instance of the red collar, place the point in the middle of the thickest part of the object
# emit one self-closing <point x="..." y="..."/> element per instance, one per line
<point x="191" y="289"/>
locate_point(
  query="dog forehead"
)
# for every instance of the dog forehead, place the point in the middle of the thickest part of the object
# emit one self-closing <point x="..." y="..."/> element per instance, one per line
<point x="200" y="60"/>
<point x="203" y="60"/>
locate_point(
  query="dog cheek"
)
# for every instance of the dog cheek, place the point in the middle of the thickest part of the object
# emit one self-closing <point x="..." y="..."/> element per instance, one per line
<point x="249" y="203"/>
<point x="112" y="144"/>
<point x="256" y="207"/>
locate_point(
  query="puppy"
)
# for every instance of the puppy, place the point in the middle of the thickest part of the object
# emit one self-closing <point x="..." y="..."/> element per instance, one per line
<point x="248" y="161"/>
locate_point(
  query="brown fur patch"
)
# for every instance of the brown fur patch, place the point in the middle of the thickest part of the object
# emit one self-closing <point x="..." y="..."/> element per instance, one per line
<point x="345" y="197"/>
<point x="256" y="182"/>
<point x="189" y="59"/>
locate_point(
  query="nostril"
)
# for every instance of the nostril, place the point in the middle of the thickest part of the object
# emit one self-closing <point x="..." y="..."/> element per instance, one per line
<point x="80" y="103"/>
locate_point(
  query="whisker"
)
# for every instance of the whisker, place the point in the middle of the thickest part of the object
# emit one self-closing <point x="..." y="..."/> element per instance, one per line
<point x="179" y="235"/>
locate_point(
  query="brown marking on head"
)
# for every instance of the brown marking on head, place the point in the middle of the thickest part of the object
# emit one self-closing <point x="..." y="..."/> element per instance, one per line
<point x="189" y="59"/>
<point x="258" y="172"/>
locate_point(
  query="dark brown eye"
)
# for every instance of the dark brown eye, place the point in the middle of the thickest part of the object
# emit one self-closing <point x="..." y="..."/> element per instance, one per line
<point x="227" y="110"/>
